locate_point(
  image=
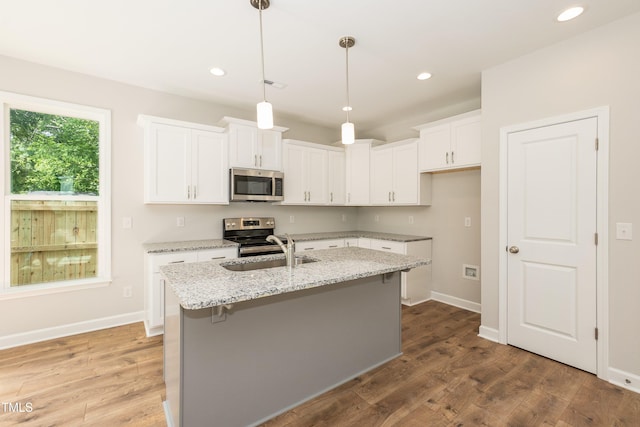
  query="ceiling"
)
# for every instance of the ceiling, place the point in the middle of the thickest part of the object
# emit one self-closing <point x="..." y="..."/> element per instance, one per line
<point x="170" y="45"/>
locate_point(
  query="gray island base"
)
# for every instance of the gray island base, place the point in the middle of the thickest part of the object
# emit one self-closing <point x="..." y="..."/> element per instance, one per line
<point x="243" y="347"/>
<point x="273" y="353"/>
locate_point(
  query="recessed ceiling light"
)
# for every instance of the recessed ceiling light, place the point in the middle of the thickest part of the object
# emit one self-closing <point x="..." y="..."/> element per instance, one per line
<point x="218" y="72"/>
<point x="424" y="76"/>
<point x="570" y="13"/>
<point x="347" y="108"/>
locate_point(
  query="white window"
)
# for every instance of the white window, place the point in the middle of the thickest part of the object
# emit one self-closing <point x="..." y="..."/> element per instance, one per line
<point x="56" y="181"/>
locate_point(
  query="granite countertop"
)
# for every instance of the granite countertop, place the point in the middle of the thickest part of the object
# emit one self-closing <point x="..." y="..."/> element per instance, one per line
<point x="188" y="245"/>
<point x="305" y="237"/>
<point x="209" y="284"/>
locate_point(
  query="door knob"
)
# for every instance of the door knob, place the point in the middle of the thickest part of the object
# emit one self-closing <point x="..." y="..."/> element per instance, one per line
<point x="514" y="249"/>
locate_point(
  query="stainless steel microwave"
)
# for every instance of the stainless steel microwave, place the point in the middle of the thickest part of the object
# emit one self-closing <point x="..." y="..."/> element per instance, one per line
<point x="256" y="185"/>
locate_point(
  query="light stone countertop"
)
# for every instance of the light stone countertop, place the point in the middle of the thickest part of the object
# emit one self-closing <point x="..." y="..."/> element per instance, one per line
<point x="306" y="237"/>
<point x="208" y="284"/>
<point x="187" y="245"/>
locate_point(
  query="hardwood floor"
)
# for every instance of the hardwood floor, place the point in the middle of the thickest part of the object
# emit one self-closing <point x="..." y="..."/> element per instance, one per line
<point x="447" y="376"/>
<point x="111" y="377"/>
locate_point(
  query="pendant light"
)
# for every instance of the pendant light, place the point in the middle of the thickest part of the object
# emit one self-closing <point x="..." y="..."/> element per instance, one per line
<point x="348" y="130"/>
<point x="264" y="109"/>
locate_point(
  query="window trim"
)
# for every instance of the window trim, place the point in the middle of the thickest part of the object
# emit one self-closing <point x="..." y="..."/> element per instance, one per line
<point x="10" y="101"/>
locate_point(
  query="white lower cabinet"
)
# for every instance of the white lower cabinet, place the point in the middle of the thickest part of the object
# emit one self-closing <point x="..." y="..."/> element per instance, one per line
<point x="416" y="283"/>
<point x="154" y="283"/>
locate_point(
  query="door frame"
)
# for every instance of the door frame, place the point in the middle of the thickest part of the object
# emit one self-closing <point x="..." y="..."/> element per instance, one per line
<point x="602" y="220"/>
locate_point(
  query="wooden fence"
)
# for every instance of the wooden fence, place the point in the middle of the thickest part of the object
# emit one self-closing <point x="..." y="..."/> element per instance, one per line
<point x="52" y="240"/>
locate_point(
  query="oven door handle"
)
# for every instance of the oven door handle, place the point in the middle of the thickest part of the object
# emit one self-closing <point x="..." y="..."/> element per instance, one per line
<point x="259" y="249"/>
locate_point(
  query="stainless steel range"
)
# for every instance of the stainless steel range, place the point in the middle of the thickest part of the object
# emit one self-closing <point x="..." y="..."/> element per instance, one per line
<point x="251" y="234"/>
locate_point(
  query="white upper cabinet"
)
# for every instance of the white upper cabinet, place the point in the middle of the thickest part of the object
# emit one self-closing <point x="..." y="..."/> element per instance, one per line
<point x="357" y="172"/>
<point x="184" y="162"/>
<point x="451" y="143"/>
<point x="305" y="173"/>
<point x="253" y="148"/>
<point x="336" y="169"/>
<point x="395" y="179"/>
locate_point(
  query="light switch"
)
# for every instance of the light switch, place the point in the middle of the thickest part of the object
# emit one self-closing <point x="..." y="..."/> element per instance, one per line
<point x="467" y="221"/>
<point x="127" y="222"/>
<point x="624" y="231"/>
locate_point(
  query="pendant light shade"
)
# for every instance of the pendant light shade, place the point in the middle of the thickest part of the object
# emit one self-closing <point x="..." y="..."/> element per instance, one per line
<point x="265" y="115"/>
<point x="348" y="130"/>
<point x="264" y="109"/>
<point x="348" y="133"/>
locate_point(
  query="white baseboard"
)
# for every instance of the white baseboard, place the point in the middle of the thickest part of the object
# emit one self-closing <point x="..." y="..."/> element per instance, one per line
<point x="456" y="302"/>
<point x="70" y="329"/>
<point x="624" y="379"/>
<point x="489" y="334"/>
<point x="151" y="332"/>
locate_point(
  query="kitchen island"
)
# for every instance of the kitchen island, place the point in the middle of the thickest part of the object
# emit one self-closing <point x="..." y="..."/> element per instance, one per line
<point x="244" y="346"/>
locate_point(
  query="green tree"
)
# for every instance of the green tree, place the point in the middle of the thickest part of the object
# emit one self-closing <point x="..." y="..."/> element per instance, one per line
<point x="45" y="147"/>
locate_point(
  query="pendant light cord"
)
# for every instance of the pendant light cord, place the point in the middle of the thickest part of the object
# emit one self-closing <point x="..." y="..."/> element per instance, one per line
<point x="348" y="100"/>
<point x="264" y="89"/>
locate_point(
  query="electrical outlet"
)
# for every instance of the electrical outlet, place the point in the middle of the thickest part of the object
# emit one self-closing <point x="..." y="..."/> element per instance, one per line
<point x="344" y="217"/>
<point x="292" y="219"/>
<point x="180" y="221"/>
<point x="376" y="218"/>
<point x="410" y="219"/>
<point x="467" y="221"/>
<point x="127" y="292"/>
<point x="127" y="222"/>
<point x="624" y="231"/>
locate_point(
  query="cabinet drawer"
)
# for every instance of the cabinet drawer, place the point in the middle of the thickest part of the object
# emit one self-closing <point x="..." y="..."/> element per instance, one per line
<point x="388" y="246"/>
<point x="222" y="253"/>
<point x="159" y="260"/>
<point x="320" y="244"/>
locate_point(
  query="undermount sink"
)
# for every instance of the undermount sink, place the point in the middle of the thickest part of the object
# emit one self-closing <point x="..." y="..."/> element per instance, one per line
<point x="260" y="265"/>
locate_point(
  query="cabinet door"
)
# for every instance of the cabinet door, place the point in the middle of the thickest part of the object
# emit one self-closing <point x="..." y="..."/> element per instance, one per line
<point x="381" y="176"/>
<point x="243" y="143"/>
<point x="336" y="177"/>
<point x="466" y="138"/>
<point x="169" y="160"/>
<point x="405" y="174"/>
<point x="210" y="176"/>
<point x="316" y="179"/>
<point x="269" y="150"/>
<point x="294" y="174"/>
<point x="435" y="144"/>
<point x="357" y="174"/>
<point x="351" y="242"/>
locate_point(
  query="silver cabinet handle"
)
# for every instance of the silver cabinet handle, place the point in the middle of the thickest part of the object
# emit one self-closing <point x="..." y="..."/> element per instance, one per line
<point x="348" y="197"/>
<point x="386" y="247"/>
<point x="195" y="192"/>
<point x="218" y="257"/>
<point x="452" y="160"/>
<point x="447" y="156"/>
<point x="309" y="249"/>
<point x="260" y="160"/>
<point x="514" y="249"/>
<point x="333" y="246"/>
<point x="309" y="195"/>
<point x="389" y="196"/>
<point x="255" y="160"/>
<point x="331" y="198"/>
<point x="394" y="196"/>
<point x="188" y="191"/>
<point x="176" y="262"/>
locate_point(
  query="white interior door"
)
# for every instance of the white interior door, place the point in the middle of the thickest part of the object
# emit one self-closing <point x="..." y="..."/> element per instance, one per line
<point x="551" y="231"/>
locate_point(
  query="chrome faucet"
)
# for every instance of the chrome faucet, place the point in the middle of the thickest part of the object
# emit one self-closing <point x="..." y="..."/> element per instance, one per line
<point x="288" y="249"/>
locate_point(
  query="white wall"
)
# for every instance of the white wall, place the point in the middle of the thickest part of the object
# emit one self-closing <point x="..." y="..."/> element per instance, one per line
<point x="595" y="69"/>
<point x="456" y="195"/>
<point x="150" y="222"/>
